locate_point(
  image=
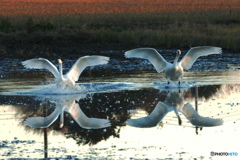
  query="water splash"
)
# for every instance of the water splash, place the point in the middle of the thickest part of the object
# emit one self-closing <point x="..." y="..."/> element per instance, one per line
<point x="53" y="89"/>
<point x="185" y="85"/>
<point x="83" y="88"/>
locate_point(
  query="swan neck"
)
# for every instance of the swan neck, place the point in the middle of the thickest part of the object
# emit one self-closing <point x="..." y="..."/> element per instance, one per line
<point x="61" y="70"/>
<point x="176" y="59"/>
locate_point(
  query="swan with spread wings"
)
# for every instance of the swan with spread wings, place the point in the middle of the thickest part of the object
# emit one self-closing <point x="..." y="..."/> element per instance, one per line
<point x="173" y="71"/>
<point x="73" y="74"/>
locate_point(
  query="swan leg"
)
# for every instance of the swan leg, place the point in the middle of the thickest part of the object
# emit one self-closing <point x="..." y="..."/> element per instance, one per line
<point x="196" y="130"/>
<point x="179" y="119"/>
<point x="179" y="85"/>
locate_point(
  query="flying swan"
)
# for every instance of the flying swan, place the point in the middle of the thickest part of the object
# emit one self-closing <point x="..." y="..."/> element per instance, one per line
<point x="72" y="75"/>
<point x="173" y="72"/>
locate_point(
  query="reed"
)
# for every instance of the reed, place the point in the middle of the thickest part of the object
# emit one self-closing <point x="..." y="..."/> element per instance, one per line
<point x="163" y="24"/>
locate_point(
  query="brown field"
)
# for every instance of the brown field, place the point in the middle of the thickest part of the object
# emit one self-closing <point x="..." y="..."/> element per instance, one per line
<point x="73" y="7"/>
<point x="73" y="27"/>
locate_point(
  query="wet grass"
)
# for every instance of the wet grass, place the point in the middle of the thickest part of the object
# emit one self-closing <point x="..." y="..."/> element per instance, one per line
<point x="165" y="29"/>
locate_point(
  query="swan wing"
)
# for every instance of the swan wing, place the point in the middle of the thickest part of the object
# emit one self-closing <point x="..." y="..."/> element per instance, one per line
<point x="195" y="52"/>
<point x="83" y="62"/>
<point x="42" y="122"/>
<point x="197" y="120"/>
<point x="86" y="122"/>
<point x="150" y="54"/>
<point x="41" y="63"/>
<point x="152" y="120"/>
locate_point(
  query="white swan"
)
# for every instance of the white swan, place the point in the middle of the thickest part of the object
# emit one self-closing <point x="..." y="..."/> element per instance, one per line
<point x="73" y="74"/>
<point x="173" y="72"/>
<point x="69" y="105"/>
<point x="174" y="101"/>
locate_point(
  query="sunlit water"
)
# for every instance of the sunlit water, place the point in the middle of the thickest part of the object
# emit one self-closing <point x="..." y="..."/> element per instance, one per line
<point x="121" y="98"/>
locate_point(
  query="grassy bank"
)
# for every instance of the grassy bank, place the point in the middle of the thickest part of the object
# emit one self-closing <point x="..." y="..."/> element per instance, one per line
<point x="45" y="35"/>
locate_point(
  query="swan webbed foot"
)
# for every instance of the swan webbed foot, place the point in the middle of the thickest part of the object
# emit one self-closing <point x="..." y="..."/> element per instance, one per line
<point x="196" y="131"/>
<point x="179" y="122"/>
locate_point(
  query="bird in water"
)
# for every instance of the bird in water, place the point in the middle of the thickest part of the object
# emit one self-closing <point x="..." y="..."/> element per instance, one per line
<point x="173" y="71"/>
<point x="72" y="75"/>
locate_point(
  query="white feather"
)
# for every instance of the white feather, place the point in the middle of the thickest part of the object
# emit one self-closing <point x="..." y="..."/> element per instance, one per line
<point x="41" y="63"/>
<point x="150" y="54"/>
<point x="73" y="74"/>
<point x="194" y="53"/>
<point x="173" y="72"/>
<point x="84" y="62"/>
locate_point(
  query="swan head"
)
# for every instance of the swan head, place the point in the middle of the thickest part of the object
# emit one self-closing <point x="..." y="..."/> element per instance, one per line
<point x="178" y="52"/>
<point x="59" y="61"/>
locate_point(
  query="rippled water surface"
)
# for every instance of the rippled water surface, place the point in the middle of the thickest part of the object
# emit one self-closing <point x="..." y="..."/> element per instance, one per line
<point x="141" y="108"/>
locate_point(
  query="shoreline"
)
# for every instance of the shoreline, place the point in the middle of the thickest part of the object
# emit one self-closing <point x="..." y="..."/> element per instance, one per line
<point x="80" y="34"/>
<point x="25" y="46"/>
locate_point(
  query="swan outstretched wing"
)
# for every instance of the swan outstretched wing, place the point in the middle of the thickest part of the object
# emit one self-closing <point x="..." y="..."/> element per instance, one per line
<point x="41" y="63"/>
<point x="195" y="52"/>
<point x="42" y="122"/>
<point x="150" y="54"/>
<point x="152" y="120"/>
<point x="195" y="119"/>
<point x="85" y="122"/>
<point x="83" y="62"/>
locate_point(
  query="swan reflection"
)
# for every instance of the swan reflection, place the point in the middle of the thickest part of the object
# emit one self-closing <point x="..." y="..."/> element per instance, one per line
<point x="67" y="104"/>
<point x="174" y="102"/>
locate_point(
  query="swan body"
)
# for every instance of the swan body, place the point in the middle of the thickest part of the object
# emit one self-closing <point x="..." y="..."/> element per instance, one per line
<point x="73" y="74"/>
<point x="174" y="102"/>
<point x="173" y="71"/>
<point x="69" y="105"/>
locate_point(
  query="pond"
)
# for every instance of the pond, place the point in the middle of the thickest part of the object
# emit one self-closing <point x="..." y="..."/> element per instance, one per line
<point x="121" y="112"/>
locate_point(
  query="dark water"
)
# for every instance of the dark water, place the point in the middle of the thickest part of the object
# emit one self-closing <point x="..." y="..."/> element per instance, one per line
<point x="139" y="105"/>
